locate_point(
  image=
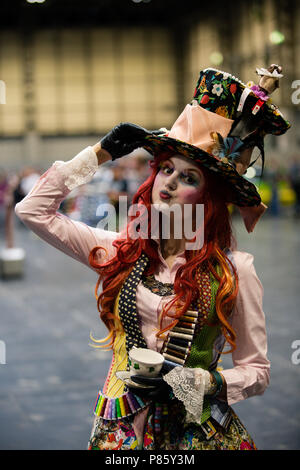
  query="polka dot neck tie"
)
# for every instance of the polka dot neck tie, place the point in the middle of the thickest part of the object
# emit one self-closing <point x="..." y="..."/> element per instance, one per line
<point x="127" y="305"/>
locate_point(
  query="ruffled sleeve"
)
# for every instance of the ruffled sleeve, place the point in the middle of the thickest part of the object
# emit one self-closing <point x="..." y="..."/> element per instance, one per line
<point x="39" y="210"/>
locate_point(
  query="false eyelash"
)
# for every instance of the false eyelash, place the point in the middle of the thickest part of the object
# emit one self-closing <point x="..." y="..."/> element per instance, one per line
<point x="161" y="166"/>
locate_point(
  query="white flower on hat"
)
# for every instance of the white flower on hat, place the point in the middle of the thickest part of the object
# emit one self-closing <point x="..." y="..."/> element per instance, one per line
<point x="217" y="89"/>
<point x="226" y="75"/>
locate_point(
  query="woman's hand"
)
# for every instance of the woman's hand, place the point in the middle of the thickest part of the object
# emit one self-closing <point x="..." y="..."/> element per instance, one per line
<point x="160" y="391"/>
<point x="124" y="138"/>
<point x="102" y="155"/>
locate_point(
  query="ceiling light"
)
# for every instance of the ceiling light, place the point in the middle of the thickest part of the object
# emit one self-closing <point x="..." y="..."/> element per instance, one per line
<point x="35" y="1"/>
<point x="216" y="58"/>
<point x="276" y="37"/>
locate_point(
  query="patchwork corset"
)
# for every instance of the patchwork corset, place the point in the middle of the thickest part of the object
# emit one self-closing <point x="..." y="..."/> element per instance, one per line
<point x="195" y="341"/>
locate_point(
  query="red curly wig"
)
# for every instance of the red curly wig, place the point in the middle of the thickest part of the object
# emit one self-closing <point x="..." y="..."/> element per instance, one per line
<point x="217" y="237"/>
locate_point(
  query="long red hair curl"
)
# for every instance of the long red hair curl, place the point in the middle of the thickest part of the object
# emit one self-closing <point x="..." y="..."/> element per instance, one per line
<point x="217" y="237"/>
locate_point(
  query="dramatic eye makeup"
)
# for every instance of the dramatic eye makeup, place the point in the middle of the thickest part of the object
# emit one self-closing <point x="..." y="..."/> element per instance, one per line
<point x="190" y="177"/>
<point x="166" y="168"/>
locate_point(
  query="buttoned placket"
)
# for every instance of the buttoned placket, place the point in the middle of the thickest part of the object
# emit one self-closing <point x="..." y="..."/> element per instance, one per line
<point x="147" y="309"/>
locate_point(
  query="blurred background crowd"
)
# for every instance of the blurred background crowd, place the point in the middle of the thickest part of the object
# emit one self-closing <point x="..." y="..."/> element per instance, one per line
<point x="111" y="181"/>
<point x="279" y="187"/>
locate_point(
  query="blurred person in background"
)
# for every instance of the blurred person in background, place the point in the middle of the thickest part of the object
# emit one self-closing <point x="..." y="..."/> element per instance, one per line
<point x="137" y="172"/>
<point x="9" y="202"/>
<point x="158" y="294"/>
<point x="118" y="187"/>
<point x="272" y="176"/>
<point x="14" y="187"/>
<point x="3" y="189"/>
<point x="27" y="179"/>
<point x="294" y="178"/>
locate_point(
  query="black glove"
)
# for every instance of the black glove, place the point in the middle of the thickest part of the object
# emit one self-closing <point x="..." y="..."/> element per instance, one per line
<point x="124" y="138"/>
<point x="160" y="392"/>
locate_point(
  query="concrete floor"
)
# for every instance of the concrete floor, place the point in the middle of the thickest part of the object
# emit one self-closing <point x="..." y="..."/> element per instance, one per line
<point x="49" y="383"/>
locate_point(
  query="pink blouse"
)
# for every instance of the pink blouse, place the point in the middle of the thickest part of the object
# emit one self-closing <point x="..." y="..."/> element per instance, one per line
<point x="38" y="210"/>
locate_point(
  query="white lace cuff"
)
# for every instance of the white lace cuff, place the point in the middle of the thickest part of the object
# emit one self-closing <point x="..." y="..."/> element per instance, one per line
<point x="189" y="386"/>
<point x="80" y="170"/>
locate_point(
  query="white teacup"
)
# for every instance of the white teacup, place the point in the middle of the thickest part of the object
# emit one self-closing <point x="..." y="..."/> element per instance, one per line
<point x="144" y="361"/>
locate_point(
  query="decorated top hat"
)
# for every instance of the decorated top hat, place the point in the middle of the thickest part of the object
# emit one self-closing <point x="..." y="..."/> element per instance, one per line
<point x="220" y="128"/>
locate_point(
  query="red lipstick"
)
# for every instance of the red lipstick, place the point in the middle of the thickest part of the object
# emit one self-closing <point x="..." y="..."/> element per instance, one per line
<point x="164" y="195"/>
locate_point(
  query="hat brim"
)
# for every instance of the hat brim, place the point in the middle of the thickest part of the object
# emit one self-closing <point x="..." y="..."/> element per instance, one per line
<point x="243" y="192"/>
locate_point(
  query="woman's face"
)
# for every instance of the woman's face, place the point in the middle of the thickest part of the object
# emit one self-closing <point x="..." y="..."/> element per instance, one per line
<point x="179" y="181"/>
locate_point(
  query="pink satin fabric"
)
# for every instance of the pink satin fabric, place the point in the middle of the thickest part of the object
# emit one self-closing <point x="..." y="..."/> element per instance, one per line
<point x="195" y="124"/>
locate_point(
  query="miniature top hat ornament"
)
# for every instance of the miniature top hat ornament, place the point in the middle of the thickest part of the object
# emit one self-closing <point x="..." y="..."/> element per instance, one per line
<point x="220" y="128"/>
<point x="269" y="78"/>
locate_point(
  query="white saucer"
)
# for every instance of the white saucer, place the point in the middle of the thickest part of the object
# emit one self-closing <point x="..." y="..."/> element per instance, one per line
<point x="124" y="375"/>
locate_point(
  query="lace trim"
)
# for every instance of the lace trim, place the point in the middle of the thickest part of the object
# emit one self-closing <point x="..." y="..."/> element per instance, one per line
<point x="80" y="169"/>
<point x="190" y="386"/>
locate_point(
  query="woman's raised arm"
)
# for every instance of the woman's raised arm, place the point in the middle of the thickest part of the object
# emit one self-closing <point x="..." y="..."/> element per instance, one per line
<point x="39" y="209"/>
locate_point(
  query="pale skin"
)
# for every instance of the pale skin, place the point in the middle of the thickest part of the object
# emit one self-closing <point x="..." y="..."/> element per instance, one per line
<point x="184" y="182"/>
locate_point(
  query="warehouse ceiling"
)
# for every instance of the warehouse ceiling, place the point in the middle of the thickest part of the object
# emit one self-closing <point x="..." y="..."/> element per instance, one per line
<point x="28" y="14"/>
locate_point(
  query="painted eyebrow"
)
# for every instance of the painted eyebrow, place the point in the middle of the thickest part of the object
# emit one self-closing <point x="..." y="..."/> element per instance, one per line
<point x="187" y="169"/>
<point x="192" y="169"/>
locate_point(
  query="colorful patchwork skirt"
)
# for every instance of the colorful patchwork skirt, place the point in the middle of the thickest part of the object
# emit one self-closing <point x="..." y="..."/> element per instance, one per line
<point x="166" y="429"/>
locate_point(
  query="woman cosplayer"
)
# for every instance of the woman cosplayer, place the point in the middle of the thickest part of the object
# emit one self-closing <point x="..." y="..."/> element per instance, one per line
<point x="183" y="297"/>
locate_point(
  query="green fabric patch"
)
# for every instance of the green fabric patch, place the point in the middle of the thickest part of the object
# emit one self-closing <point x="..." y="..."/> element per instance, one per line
<point x="202" y="348"/>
